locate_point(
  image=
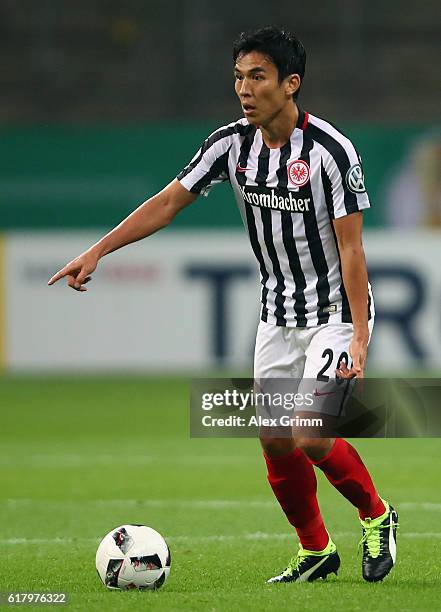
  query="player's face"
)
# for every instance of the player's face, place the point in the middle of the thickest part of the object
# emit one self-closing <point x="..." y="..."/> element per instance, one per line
<point x="257" y="85"/>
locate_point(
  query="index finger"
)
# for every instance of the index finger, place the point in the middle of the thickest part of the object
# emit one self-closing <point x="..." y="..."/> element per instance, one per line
<point x="56" y="277"/>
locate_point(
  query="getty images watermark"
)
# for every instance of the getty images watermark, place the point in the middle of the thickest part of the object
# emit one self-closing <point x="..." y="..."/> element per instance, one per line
<point x="241" y="401"/>
<point x="369" y="408"/>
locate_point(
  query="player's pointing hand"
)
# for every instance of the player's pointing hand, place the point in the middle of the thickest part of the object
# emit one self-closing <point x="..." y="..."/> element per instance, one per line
<point x="77" y="271"/>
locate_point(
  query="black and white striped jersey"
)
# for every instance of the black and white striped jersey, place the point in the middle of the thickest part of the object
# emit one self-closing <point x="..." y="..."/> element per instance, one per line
<point x="287" y="198"/>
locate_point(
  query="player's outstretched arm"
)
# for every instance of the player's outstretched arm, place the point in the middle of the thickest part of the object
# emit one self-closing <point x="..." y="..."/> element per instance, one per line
<point x="151" y="216"/>
<point x="355" y="279"/>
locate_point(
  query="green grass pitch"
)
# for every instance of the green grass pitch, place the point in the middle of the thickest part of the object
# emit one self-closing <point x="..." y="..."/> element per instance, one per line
<point x="81" y="456"/>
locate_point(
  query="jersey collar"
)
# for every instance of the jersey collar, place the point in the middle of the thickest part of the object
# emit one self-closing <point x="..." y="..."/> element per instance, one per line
<point x="302" y="121"/>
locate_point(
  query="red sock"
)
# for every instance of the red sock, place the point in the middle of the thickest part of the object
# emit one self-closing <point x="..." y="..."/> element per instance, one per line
<point x="345" y="470"/>
<point x="293" y="481"/>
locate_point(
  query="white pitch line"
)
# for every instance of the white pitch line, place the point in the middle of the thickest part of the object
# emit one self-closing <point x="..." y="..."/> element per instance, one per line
<point x="257" y="536"/>
<point x="189" y="503"/>
<point x="419" y="506"/>
<point x="203" y="504"/>
<point x="72" y="460"/>
<point x="14" y="541"/>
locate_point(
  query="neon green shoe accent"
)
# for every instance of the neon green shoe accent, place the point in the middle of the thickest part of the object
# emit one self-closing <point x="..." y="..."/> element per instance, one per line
<point x="382" y="516"/>
<point x="303" y="553"/>
<point x="371" y="532"/>
<point x="330" y="548"/>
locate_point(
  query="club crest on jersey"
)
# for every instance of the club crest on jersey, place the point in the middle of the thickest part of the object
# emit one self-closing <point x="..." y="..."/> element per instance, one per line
<point x="298" y="172"/>
<point x="355" y="179"/>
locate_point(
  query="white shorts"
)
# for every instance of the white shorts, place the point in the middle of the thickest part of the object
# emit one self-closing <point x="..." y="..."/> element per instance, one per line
<point x="310" y="355"/>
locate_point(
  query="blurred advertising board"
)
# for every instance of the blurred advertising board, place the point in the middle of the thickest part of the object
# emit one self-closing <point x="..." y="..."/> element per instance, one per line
<point x="80" y="178"/>
<point x="189" y="301"/>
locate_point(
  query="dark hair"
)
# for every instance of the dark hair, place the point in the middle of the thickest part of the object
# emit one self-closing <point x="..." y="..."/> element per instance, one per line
<point x="285" y="50"/>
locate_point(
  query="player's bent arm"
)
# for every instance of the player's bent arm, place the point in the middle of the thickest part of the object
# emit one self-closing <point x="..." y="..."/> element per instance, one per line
<point x="154" y="214"/>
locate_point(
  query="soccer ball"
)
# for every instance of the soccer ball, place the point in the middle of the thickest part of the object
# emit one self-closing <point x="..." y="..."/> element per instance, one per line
<point x="133" y="557"/>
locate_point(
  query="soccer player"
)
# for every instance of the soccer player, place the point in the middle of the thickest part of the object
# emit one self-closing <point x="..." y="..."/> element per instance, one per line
<point x="299" y="185"/>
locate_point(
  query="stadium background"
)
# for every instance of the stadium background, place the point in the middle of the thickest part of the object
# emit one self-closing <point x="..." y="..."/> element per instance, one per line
<point x="102" y="104"/>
